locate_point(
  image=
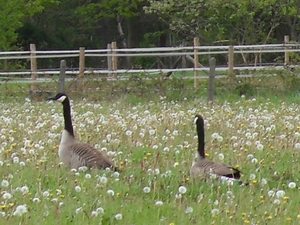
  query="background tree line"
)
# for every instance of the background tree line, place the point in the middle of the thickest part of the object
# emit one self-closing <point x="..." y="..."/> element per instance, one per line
<point x="68" y="24"/>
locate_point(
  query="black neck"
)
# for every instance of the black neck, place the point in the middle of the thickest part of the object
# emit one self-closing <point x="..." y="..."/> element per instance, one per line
<point x="67" y="116"/>
<point x="201" y="138"/>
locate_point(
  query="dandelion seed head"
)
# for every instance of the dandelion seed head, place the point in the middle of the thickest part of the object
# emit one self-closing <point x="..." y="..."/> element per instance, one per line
<point x="118" y="216"/>
<point x="158" y="203"/>
<point x="182" y="189"/>
<point x="215" y="212"/>
<point x="110" y="192"/>
<point x="292" y="185"/>
<point x="6" y="196"/>
<point x="20" y="210"/>
<point x="88" y="176"/>
<point x="146" y="189"/>
<point x="189" y="209"/>
<point x="77" y="188"/>
<point x="221" y="156"/>
<point x="280" y="193"/>
<point x="4" y="183"/>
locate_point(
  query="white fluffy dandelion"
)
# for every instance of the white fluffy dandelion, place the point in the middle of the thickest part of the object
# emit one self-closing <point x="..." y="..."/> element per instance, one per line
<point x="259" y="147"/>
<point x="221" y="156"/>
<point x="77" y="188"/>
<point x="20" y="210"/>
<point x="6" y="196"/>
<point x="189" y="209"/>
<point x="4" y="183"/>
<point x="103" y="179"/>
<point x="215" y="212"/>
<point x="292" y="185"/>
<point x="182" y="189"/>
<point x="110" y="192"/>
<point x="46" y="194"/>
<point x="158" y="203"/>
<point x="146" y="189"/>
<point x="280" y="193"/>
<point x="118" y="216"/>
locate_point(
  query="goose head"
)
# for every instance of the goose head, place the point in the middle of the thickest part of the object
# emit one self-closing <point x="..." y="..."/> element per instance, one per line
<point x="198" y="120"/>
<point x="60" y="97"/>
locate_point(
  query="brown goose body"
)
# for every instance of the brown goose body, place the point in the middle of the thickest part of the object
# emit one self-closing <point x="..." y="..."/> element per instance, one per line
<point x="73" y="153"/>
<point x="203" y="167"/>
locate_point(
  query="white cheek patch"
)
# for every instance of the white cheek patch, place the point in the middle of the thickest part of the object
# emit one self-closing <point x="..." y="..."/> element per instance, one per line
<point x="195" y="120"/>
<point x="62" y="98"/>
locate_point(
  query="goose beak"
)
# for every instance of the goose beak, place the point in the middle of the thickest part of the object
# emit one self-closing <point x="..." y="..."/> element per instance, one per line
<point x="50" y="99"/>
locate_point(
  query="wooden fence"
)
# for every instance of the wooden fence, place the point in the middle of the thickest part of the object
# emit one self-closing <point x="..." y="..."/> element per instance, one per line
<point x="184" y="53"/>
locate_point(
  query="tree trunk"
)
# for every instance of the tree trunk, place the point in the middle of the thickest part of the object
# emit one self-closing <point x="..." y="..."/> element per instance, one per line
<point x="123" y="39"/>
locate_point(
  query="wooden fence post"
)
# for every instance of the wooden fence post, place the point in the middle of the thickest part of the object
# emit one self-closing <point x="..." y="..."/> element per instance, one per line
<point x="230" y="63"/>
<point x="196" y="60"/>
<point x="114" y="59"/>
<point x="183" y="58"/>
<point x="81" y="67"/>
<point x="109" y="59"/>
<point x="286" y="53"/>
<point x="212" y="73"/>
<point x="33" y="67"/>
<point x="62" y="75"/>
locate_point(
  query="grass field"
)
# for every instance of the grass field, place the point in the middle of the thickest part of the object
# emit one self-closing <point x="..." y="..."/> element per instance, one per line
<point x="154" y="144"/>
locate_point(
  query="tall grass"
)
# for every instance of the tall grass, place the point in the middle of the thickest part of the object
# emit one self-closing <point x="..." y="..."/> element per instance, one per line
<point x="153" y="142"/>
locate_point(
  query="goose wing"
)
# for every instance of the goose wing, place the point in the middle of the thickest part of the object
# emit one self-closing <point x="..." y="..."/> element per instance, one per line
<point x="220" y="169"/>
<point x="86" y="155"/>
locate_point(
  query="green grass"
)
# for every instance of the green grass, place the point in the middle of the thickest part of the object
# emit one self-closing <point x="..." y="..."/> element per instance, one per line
<point x="30" y="133"/>
<point x="158" y="153"/>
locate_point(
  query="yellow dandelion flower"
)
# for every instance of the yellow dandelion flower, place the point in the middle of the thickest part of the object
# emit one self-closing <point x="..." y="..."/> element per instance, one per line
<point x="237" y="166"/>
<point x="206" y="154"/>
<point x="244" y="214"/>
<point x="145" y="158"/>
<point x="13" y="145"/>
<point x="227" y="211"/>
<point x="298" y="216"/>
<point x="118" y="194"/>
<point x="245" y="150"/>
<point x="61" y="196"/>
<point x="149" y="154"/>
<point x="254" y="181"/>
<point x="285" y="198"/>
<point x="269" y="217"/>
<point x="247" y="221"/>
<point x="3" y="207"/>
<point x="261" y="197"/>
<point x="289" y="219"/>
<point x="183" y="124"/>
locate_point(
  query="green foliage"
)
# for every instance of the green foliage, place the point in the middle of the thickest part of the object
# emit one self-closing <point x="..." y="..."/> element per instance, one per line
<point x="110" y="8"/>
<point x="11" y="15"/>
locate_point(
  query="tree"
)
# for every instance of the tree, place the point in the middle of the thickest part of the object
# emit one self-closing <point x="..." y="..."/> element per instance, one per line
<point x="12" y="12"/>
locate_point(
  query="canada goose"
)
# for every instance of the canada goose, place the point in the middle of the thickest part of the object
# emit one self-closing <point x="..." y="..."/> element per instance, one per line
<point x="72" y="152"/>
<point x="204" y="167"/>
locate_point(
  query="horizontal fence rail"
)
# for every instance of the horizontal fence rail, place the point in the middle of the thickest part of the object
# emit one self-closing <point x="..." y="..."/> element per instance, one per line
<point x="112" y="55"/>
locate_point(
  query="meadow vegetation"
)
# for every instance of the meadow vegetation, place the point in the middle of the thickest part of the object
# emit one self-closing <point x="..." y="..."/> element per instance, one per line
<point x="146" y="128"/>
